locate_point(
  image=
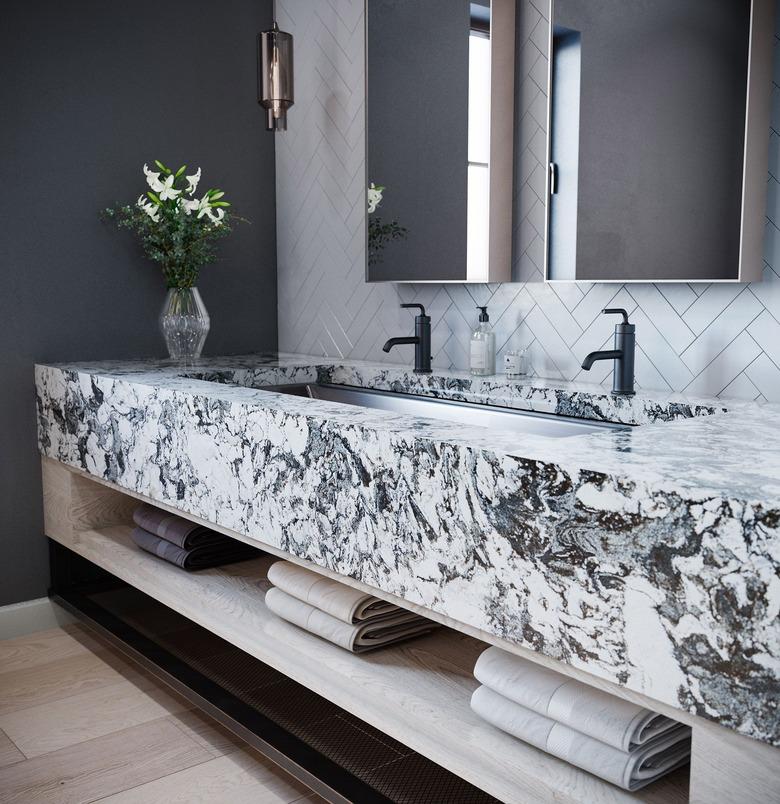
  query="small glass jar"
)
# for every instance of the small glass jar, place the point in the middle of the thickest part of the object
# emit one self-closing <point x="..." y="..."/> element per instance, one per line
<point x="515" y="363"/>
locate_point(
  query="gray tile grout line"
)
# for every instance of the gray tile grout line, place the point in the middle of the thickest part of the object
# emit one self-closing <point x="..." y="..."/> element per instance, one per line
<point x="742" y="292"/>
<point x="741" y="332"/>
<point x="763" y="352"/>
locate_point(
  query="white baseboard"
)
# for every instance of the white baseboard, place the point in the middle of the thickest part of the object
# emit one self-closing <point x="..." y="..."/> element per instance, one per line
<point x="30" y="616"/>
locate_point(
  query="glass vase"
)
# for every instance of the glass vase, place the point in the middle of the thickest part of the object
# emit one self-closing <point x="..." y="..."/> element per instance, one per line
<point x="184" y="322"/>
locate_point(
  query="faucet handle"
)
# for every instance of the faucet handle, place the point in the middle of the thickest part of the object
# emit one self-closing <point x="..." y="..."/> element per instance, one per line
<point x="616" y="311"/>
<point x="422" y="309"/>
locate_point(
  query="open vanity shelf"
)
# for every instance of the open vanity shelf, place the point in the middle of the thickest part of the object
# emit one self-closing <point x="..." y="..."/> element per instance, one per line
<point x="417" y="693"/>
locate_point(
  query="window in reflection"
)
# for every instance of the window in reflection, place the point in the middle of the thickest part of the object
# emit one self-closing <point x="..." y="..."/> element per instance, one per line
<point x="564" y="152"/>
<point x="478" y="198"/>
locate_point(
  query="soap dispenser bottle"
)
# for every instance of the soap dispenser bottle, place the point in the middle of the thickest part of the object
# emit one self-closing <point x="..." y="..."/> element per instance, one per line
<point x="482" y="355"/>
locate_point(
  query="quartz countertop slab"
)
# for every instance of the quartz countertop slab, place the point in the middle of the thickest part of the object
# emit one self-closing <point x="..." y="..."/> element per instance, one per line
<point x="647" y="556"/>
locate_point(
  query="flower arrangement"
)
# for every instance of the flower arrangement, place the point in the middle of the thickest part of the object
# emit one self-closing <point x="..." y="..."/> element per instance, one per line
<point x="380" y="234"/>
<point x="176" y="229"/>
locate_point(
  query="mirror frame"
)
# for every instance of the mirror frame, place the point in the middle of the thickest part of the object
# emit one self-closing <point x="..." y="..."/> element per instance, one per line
<point x="501" y="168"/>
<point x="755" y="165"/>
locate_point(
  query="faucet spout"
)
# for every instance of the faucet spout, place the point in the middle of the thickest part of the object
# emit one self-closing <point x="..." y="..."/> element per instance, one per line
<point x="421" y="340"/>
<point x="411" y="339"/>
<point x="607" y="354"/>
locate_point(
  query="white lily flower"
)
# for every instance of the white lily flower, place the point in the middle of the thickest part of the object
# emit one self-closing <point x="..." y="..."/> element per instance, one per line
<point x="153" y="179"/>
<point x="189" y="205"/>
<point x="192" y="182"/>
<point x="202" y="206"/>
<point x="152" y="210"/>
<point x="374" y="197"/>
<point x="166" y="190"/>
<point x="216" y="215"/>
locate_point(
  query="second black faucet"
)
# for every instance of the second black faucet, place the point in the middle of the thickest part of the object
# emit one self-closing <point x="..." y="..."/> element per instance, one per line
<point x="622" y="354"/>
<point x="421" y="340"/>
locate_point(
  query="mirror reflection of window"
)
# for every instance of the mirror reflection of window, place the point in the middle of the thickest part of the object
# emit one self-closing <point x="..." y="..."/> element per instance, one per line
<point x="564" y="153"/>
<point x="478" y="201"/>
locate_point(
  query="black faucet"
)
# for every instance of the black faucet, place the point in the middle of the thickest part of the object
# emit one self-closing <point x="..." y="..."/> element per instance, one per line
<point x="421" y="340"/>
<point x="622" y="354"/>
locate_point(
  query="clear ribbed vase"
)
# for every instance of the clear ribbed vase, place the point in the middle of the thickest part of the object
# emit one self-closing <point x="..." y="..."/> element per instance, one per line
<point x="184" y="322"/>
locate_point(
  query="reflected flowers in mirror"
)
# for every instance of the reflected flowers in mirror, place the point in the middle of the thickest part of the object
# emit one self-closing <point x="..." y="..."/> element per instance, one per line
<point x="380" y="234"/>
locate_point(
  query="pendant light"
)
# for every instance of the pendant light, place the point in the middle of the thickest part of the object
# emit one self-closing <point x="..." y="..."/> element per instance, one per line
<point x="275" y="76"/>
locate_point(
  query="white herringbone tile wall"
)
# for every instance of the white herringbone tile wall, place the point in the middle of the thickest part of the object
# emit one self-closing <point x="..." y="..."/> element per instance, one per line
<point x="704" y="339"/>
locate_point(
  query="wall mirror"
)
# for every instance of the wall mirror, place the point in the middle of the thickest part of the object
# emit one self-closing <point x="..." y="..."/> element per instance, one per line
<point x="659" y="119"/>
<point x="440" y="88"/>
<point x="658" y="125"/>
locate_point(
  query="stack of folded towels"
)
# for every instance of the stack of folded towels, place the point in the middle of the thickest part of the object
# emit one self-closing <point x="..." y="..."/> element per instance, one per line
<point x="183" y="543"/>
<point x="618" y="741"/>
<point x="344" y="616"/>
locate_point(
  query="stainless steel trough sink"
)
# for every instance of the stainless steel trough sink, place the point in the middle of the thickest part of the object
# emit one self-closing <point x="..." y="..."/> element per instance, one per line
<point x="518" y="421"/>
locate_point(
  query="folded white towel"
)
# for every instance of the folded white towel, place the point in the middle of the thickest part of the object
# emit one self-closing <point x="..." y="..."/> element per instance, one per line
<point x="341" y="601"/>
<point x="358" y="638"/>
<point x="586" y="709"/>
<point x="629" y="770"/>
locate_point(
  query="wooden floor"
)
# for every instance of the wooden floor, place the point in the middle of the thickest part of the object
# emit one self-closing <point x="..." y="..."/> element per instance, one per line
<point x="79" y="723"/>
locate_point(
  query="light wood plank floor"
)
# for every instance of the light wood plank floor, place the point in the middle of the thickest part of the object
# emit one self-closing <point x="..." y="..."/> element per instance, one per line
<point x="79" y="723"/>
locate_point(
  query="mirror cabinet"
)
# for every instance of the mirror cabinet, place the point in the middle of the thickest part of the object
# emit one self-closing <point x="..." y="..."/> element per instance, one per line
<point x="657" y="146"/>
<point x="658" y="140"/>
<point x="439" y="122"/>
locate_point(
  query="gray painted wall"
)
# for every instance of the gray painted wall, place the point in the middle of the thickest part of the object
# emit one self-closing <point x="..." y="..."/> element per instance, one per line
<point x="90" y="91"/>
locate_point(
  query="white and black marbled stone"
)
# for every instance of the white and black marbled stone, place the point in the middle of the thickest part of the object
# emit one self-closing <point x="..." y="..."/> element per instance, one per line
<point x="648" y="557"/>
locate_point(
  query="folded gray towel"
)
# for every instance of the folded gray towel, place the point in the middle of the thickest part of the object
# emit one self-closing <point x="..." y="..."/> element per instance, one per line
<point x="586" y="709"/>
<point x="337" y="599"/>
<point x="174" y="529"/>
<point x="211" y="554"/>
<point x="357" y="638"/>
<point x="630" y="770"/>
